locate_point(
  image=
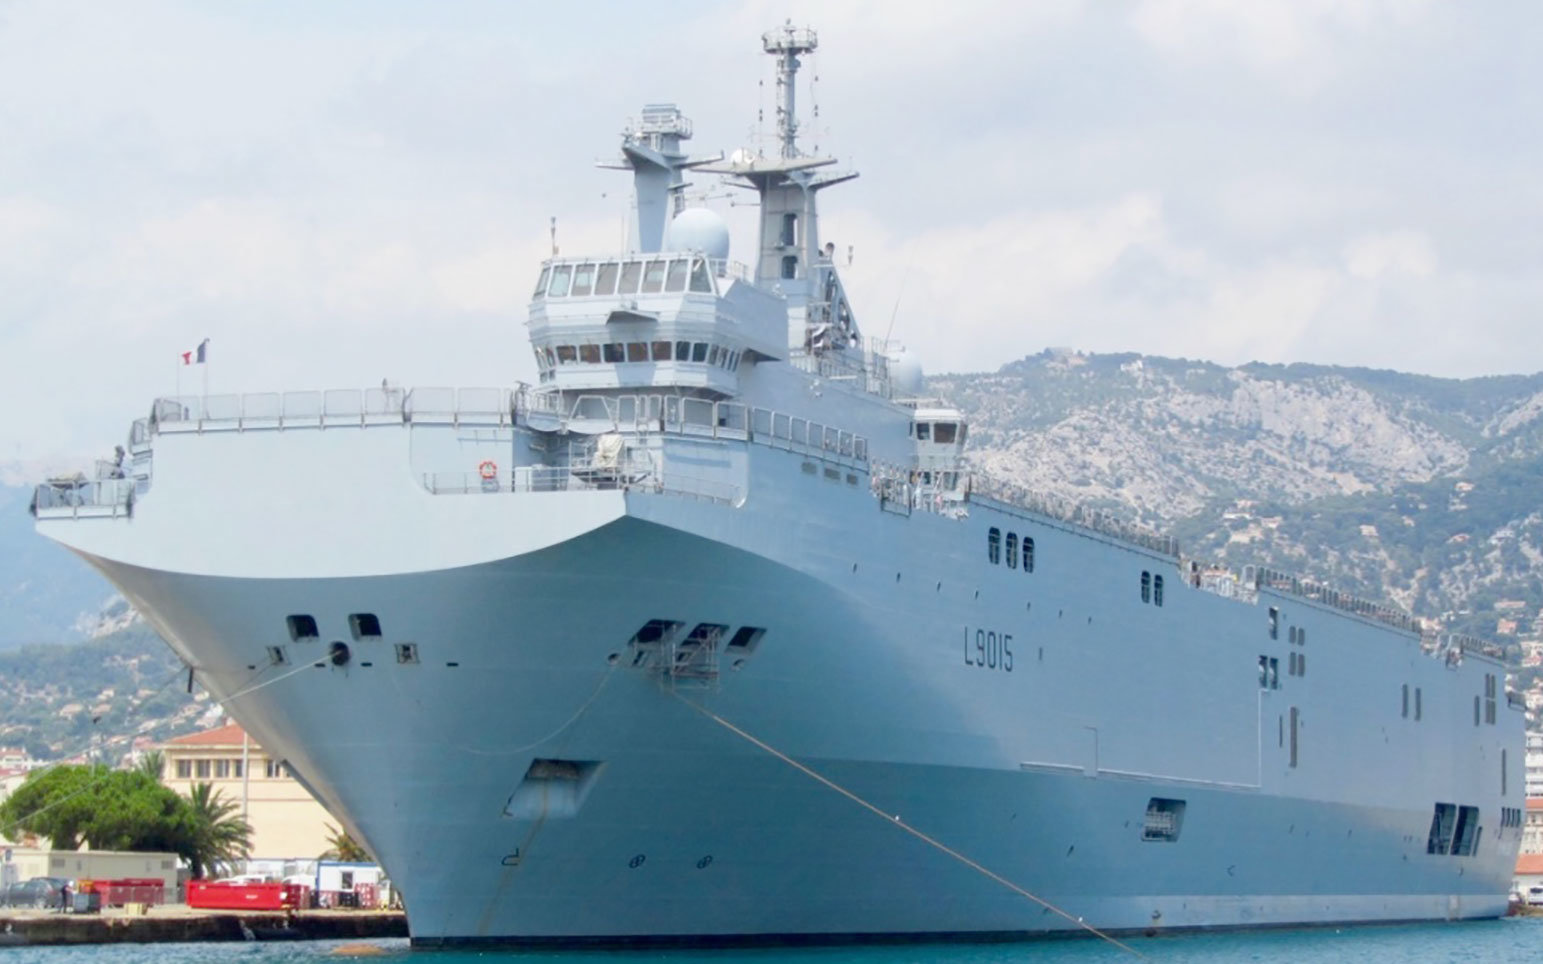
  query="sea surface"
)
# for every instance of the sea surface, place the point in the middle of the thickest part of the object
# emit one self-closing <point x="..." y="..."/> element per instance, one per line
<point x="1509" y="941"/>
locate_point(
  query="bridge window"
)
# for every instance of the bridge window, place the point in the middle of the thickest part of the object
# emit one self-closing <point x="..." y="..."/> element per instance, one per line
<point x="1012" y="550"/>
<point x="653" y="277"/>
<point x="541" y="282"/>
<point x="1146" y="587"/>
<point x="605" y="279"/>
<point x="699" y="351"/>
<point x="560" y="277"/>
<point x="676" y="279"/>
<point x="583" y="279"/>
<point x="661" y="351"/>
<point x="566" y="354"/>
<point x="637" y="351"/>
<point x="700" y="280"/>
<point x="613" y="352"/>
<point x="589" y="354"/>
<point x="712" y="355"/>
<point x="923" y="431"/>
<point x="631" y="274"/>
<point x="683" y="351"/>
<point x="994" y="545"/>
<point x="943" y="433"/>
<point x="1028" y="554"/>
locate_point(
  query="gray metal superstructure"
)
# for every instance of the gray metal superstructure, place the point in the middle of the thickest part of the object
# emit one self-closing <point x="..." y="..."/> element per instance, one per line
<point x="481" y="625"/>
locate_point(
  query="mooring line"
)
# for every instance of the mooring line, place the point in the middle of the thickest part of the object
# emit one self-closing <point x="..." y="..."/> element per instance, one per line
<point x="894" y="820"/>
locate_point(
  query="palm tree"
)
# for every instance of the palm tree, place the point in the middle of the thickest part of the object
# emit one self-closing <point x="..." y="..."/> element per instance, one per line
<point x="220" y="835"/>
<point x="152" y="765"/>
<point x="343" y="847"/>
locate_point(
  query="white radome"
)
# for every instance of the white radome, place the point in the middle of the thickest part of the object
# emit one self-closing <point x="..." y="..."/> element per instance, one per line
<point x="905" y="373"/>
<point x="699" y="229"/>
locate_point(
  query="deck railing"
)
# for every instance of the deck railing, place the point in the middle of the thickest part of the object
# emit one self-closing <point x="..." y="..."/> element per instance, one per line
<point x="1262" y="577"/>
<point x="542" y="478"/>
<point x="984" y="488"/>
<point x="79" y="496"/>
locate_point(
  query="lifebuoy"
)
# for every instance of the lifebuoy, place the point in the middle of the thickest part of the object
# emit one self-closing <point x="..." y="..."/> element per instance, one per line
<point x="488" y="469"/>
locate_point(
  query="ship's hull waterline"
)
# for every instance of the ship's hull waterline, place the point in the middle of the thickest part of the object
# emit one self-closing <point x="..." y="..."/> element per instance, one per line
<point x="681" y="831"/>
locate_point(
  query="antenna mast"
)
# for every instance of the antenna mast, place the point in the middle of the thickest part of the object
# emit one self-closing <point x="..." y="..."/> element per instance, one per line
<point x="788" y="42"/>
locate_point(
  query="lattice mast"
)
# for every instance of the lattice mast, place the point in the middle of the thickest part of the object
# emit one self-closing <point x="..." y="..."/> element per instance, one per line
<point x="786" y="44"/>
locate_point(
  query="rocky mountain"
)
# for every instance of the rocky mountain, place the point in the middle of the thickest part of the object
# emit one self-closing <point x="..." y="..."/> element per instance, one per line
<point x="1422" y="491"/>
<point x="95" y="698"/>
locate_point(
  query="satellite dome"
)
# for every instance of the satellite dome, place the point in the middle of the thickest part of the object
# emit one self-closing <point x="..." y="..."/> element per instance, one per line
<point x="698" y="229"/>
<point x="905" y="374"/>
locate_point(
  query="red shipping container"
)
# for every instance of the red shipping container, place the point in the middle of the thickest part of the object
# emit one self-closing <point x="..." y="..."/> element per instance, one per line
<point x="217" y="895"/>
<point x="131" y="890"/>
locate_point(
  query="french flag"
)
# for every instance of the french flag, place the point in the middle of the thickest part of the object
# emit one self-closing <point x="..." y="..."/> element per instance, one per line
<point x="198" y="355"/>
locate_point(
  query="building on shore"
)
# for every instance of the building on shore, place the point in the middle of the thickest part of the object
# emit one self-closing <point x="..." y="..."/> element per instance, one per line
<point x="1532" y="827"/>
<point x="24" y="863"/>
<point x="287" y="822"/>
<point x="1534" y="763"/>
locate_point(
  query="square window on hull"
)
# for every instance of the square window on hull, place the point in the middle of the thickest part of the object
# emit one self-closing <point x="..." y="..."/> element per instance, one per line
<point x="1164" y="820"/>
<point x="656" y="632"/>
<point x="364" y="625"/>
<point x="302" y="628"/>
<point x="745" y="639"/>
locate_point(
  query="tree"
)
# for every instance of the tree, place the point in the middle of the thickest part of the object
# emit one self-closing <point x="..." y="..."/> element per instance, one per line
<point x="153" y="765"/>
<point x="220" y="835"/>
<point x="110" y="809"/>
<point x="343" y="847"/>
<point x="56" y="803"/>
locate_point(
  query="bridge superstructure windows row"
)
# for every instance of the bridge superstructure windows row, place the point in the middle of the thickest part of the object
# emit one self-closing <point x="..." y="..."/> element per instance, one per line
<point x="653" y="275"/>
<point x="549" y="357"/>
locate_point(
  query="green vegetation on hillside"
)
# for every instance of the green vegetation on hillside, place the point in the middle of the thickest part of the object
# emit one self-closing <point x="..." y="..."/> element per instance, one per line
<point x="61" y="701"/>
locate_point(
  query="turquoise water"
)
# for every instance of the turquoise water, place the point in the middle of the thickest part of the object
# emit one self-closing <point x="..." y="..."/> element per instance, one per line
<point x="1512" y="941"/>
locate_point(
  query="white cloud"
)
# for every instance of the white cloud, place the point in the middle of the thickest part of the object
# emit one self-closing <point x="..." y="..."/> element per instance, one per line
<point x="335" y="194"/>
<point x="1294" y="41"/>
<point x="1404" y="252"/>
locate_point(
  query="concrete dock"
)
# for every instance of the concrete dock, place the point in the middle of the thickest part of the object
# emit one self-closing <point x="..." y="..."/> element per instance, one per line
<point x="177" y="923"/>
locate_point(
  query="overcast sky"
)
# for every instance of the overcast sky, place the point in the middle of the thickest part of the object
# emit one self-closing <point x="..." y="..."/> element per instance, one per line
<point x="333" y="193"/>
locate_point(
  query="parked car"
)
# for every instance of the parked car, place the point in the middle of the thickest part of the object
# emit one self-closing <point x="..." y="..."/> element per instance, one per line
<point x="41" y="892"/>
<point x="1535" y="896"/>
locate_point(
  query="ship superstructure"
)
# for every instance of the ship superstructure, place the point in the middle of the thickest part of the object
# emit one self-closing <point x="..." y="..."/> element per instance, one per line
<point x="486" y="628"/>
